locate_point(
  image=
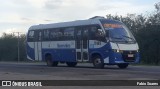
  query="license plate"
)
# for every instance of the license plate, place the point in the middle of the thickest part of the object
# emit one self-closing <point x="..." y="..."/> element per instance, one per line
<point x="130" y="55"/>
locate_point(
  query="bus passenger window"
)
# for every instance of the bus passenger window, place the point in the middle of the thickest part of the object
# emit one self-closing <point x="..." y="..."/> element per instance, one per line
<point x="31" y="36"/>
<point x="46" y="34"/>
<point x="56" y="34"/>
<point x="96" y="33"/>
<point x="93" y="32"/>
<point x="40" y="36"/>
<point x="85" y="34"/>
<point x="68" y="34"/>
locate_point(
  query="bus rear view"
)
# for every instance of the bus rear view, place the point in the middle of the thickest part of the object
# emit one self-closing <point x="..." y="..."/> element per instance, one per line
<point x="97" y="40"/>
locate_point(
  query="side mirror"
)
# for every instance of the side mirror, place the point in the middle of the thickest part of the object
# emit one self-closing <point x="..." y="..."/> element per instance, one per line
<point x="101" y="33"/>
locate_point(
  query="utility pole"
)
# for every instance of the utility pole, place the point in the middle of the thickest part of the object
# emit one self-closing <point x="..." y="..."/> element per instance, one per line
<point x="18" y="52"/>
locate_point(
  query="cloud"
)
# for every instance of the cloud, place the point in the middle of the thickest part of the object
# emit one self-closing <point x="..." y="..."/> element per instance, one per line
<point x="21" y="14"/>
<point x="37" y="3"/>
<point x="69" y="9"/>
<point x="26" y="19"/>
<point x="65" y="10"/>
<point x="53" y="4"/>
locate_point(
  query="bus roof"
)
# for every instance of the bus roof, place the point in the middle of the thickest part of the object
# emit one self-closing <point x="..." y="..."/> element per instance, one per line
<point x="69" y="24"/>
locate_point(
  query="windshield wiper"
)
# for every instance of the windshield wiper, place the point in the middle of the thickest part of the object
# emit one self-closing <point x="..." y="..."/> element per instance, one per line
<point x="116" y="37"/>
<point x="128" y="37"/>
<point x="119" y="38"/>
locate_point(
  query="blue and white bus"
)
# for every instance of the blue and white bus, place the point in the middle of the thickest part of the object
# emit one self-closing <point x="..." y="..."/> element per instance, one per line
<point x="96" y="40"/>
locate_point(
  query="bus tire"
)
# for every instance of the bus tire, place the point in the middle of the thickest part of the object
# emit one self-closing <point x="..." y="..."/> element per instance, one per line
<point x="55" y="63"/>
<point x="123" y="66"/>
<point x="49" y="61"/>
<point x="71" y="64"/>
<point x="98" y="62"/>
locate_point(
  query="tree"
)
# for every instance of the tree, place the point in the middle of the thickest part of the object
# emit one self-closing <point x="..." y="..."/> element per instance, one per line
<point x="8" y="47"/>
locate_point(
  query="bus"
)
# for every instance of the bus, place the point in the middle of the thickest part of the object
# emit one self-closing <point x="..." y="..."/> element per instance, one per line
<point x="96" y="40"/>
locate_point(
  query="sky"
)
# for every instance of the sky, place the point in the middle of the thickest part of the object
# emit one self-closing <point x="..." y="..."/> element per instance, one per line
<point x="19" y="15"/>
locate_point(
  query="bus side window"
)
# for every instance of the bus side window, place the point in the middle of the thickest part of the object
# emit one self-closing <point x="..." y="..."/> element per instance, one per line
<point x="52" y="34"/>
<point x="78" y="33"/>
<point x="38" y="35"/>
<point x="46" y="35"/>
<point x="96" y="33"/>
<point x="56" y="34"/>
<point x="85" y="33"/>
<point x="93" y="32"/>
<point x="68" y="33"/>
<point x="30" y="36"/>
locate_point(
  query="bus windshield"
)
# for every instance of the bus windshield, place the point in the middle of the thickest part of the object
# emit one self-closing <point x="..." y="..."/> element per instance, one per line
<point x="118" y="32"/>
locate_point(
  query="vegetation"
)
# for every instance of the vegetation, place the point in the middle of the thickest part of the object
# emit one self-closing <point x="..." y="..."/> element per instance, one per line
<point x="9" y="47"/>
<point x="146" y="29"/>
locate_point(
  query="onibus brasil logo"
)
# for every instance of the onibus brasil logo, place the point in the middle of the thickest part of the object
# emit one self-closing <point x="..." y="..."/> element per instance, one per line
<point x="20" y="83"/>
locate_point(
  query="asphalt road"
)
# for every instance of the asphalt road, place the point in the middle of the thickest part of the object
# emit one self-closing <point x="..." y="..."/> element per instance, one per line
<point x="39" y="71"/>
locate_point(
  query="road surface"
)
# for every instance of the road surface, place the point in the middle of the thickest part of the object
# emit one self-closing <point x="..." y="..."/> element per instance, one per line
<point x="39" y="71"/>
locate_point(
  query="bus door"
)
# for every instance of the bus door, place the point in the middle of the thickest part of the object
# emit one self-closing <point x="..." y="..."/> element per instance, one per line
<point x="82" y="45"/>
<point x="38" y="45"/>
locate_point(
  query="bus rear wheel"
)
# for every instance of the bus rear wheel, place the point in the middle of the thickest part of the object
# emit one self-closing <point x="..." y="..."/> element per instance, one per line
<point x="49" y="61"/>
<point x="123" y="66"/>
<point x="98" y="62"/>
<point x="71" y="64"/>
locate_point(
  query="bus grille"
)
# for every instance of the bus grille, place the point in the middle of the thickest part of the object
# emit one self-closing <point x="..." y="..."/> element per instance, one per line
<point x="129" y="56"/>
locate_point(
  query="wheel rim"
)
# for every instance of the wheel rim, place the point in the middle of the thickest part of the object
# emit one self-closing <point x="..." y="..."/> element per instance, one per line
<point x="97" y="61"/>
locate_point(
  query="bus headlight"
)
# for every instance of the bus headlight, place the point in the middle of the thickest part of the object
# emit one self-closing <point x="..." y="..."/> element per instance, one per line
<point x="121" y="51"/>
<point x="117" y="51"/>
<point x="137" y="51"/>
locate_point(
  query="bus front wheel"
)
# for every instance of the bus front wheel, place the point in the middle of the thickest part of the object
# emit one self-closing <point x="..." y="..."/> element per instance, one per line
<point x="71" y="64"/>
<point x="49" y="61"/>
<point x="98" y="62"/>
<point x="123" y="66"/>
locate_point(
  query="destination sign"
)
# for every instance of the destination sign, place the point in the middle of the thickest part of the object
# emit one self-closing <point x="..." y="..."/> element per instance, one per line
<point x="112" y="26"/>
